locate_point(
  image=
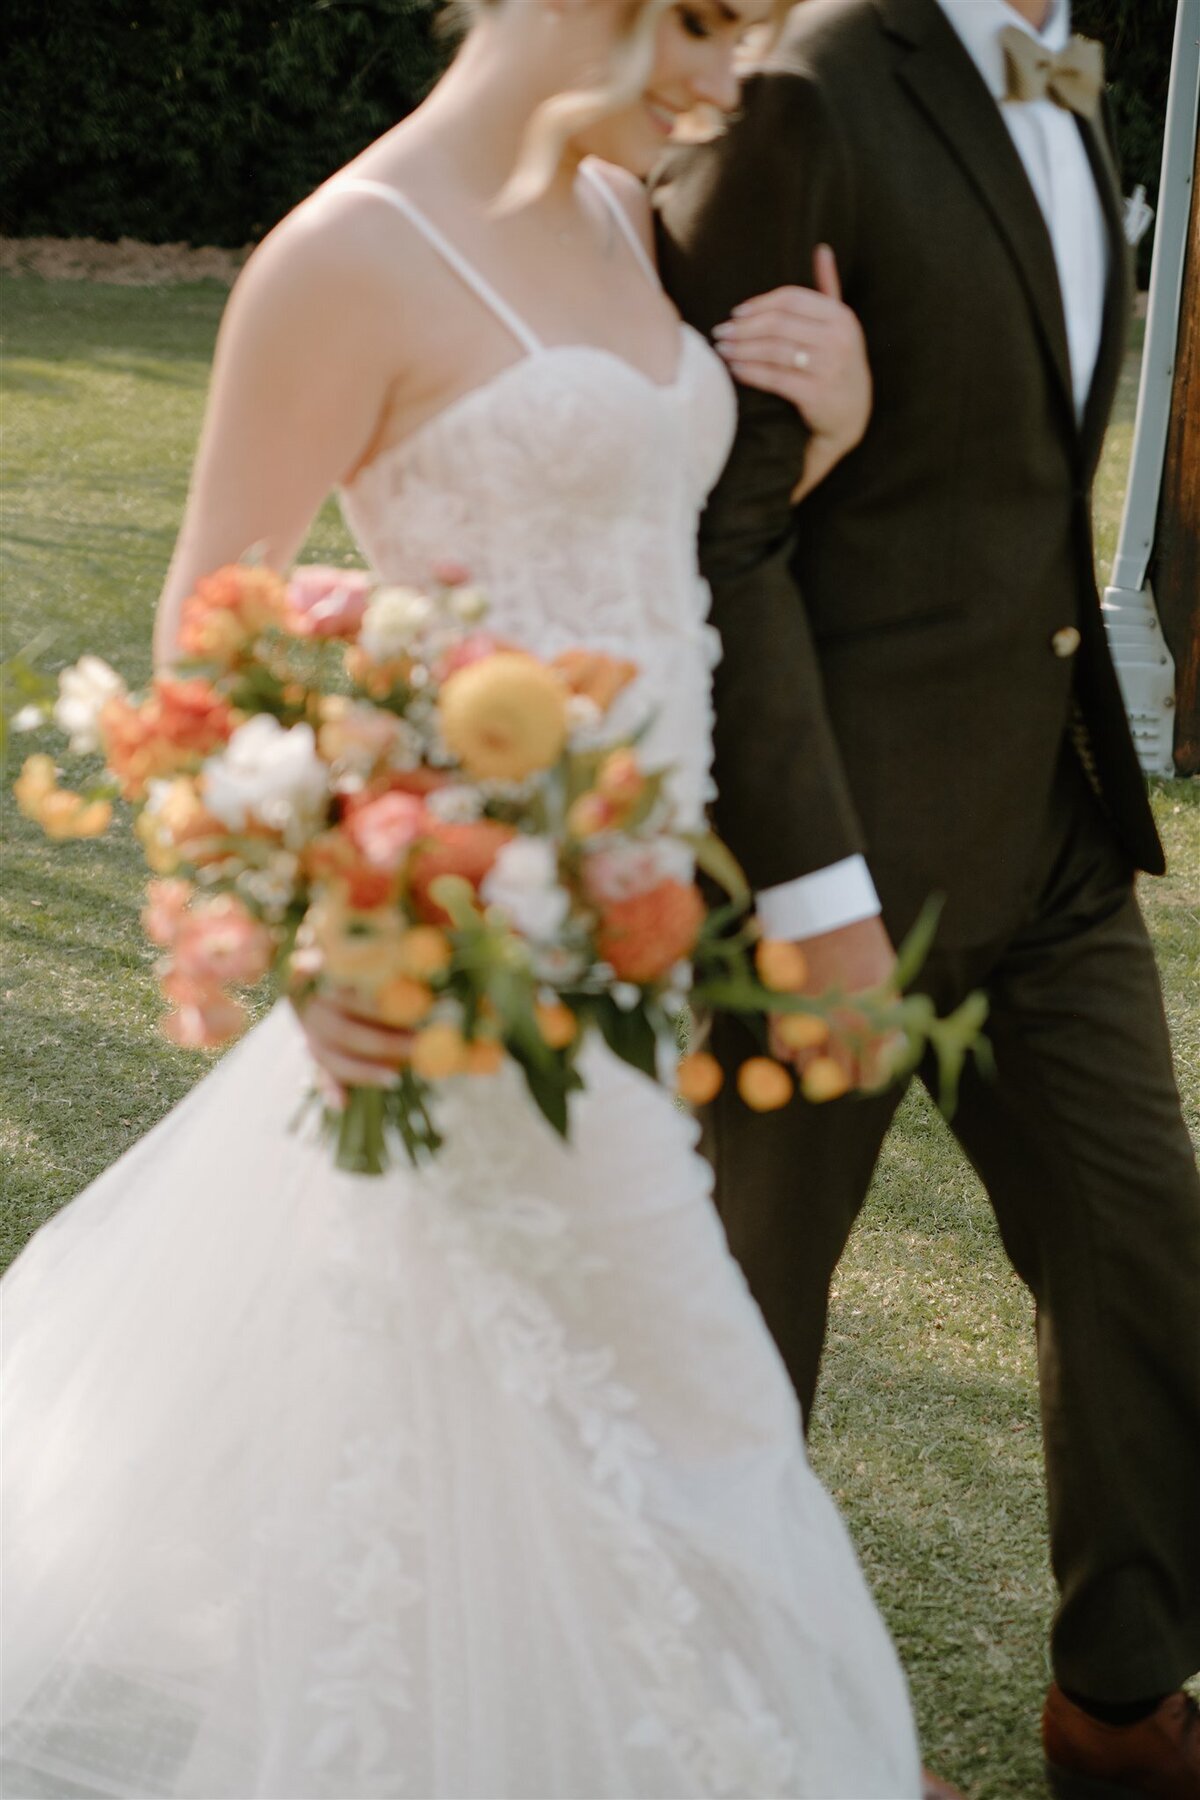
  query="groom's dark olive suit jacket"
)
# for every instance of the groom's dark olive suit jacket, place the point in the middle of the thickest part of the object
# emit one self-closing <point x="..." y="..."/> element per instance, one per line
<point x="898" y="679"/>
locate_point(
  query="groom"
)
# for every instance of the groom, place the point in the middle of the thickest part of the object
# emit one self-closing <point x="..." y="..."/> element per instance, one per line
<point x="916" y="697"/>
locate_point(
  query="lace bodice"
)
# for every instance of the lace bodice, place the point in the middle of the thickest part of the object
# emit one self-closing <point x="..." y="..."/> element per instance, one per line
<point x="570" y="484"/>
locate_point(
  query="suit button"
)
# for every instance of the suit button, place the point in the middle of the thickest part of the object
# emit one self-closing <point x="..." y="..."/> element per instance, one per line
<point x="1066" y="642"/>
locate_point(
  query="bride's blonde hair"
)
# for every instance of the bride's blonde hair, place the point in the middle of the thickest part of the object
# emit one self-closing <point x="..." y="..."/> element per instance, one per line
<point x="565" y="115"/>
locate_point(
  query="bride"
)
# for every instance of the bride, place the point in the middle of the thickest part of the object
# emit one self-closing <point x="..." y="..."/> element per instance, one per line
<point x="486" y="1482"/>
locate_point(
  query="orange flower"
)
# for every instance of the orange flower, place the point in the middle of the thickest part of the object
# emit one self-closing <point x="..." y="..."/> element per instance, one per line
<point x="764" y="1085"/>
<point x="699" y="1078"/>
<point x="781" y="965"/>
<point x="621" y="781"/>
<point x="402" y="1002"/>
<point x="466" y="850"/>
<point x="484" y="1057"/>
<point x="178" y="828"/>
<point x="590" y="816"/>
<point x="334" y="857"/>
<point x="800" y="1031"/>
<point x="356" y="945"/>
<point x="557" y="1024"/>
<point x="645" y="936"/>
<point x="439" y="1051"/>
<point x="133" y="748"/>
<point x="505" y="716"/>
<point x="825" y="1079"/>
<point x="60" y="812"/>
<point x="425" y="951"/>
<point x="595" y="676"/>
<point x="228" y="611"/>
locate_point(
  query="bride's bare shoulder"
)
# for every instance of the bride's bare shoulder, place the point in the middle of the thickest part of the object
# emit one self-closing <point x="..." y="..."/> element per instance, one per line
<point x="630" y="194"/>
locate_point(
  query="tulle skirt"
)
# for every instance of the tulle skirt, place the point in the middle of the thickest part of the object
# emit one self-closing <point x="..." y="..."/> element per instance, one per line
<point x="480" y="1482"/>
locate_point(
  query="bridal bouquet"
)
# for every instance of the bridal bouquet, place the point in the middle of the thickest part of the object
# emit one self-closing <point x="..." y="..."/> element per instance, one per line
<point x="361" y="789"/>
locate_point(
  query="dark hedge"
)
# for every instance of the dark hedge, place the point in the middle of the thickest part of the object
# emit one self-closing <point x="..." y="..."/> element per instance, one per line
<point x="196" y="120"/>
<point x="204" y="120"/>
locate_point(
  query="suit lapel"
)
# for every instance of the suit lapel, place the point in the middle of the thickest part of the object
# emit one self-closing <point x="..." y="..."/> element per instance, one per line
<point x="1118" y="292"/>
<point x="941" y="78"/>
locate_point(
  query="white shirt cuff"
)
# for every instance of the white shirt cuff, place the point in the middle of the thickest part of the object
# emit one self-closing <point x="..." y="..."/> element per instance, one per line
<point x="840" y="895"/>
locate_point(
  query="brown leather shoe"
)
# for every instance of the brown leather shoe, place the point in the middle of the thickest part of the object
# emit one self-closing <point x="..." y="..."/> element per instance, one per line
<point x="934" y="1789"/>
<point x="1158" y="1758"/>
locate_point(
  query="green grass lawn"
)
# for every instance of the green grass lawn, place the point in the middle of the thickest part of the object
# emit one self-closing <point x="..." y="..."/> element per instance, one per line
<point x="927" y="1431"/>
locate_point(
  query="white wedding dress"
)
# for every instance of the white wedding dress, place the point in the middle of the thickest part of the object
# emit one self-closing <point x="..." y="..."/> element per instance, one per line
<point x="481" y="1482"/>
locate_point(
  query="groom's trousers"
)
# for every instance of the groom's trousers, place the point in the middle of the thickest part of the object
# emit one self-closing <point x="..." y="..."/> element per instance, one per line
<point x="1079" y="1139"/>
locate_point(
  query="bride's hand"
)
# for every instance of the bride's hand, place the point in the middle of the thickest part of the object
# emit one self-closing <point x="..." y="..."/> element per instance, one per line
<point x="806" y="345"/>
<point x="349" y="1048"/>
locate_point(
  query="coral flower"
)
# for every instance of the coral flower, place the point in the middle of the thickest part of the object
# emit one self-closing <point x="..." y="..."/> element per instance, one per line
<point x="228" y="611"/>
<point x="223" y="943"/>
<point x="644" y="936"/>
<point x="205" y="1020"/>
<point x="504" y="717"/>
<point x="324" y="602"/>
<point x="466" y="850"/>
<point x="384" y="830"/>
<point x="133" y="748"/>
<point x="595" y="676"/>
<point x="191" y="715"/>
<point x="165" y="910"/>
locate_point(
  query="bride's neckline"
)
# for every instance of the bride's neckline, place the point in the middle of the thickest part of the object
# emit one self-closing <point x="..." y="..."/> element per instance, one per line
<point x="535" y="351"/>
<point x="402" y="447"/>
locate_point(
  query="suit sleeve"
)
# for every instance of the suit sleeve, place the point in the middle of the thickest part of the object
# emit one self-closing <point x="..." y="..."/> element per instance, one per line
<point x="739" y="217"/>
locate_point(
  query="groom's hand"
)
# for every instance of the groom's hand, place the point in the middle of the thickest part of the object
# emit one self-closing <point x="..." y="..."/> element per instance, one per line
<point x="856" y="959"/>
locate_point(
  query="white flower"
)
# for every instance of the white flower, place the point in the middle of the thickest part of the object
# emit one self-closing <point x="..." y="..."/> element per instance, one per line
<point x="83" y="693"/>
<point x="558" y="964"/>
<point x="29" y="718"/>
<point x="523" y="884"/>
<point x="626" y="868"/>
<point x="393" y="621"/>
<point x="584" y="717"/>
<point x="470" y="604"/>
<point x="455" y="805"/>
<point x="626" y="995"/>
<point x="269" y="774"/>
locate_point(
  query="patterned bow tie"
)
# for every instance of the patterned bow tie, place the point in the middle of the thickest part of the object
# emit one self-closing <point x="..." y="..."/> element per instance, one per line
<point x="1073" y="78"/>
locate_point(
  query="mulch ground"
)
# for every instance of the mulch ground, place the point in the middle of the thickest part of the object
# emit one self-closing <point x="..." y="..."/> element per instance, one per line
<point x="126" y="263"/>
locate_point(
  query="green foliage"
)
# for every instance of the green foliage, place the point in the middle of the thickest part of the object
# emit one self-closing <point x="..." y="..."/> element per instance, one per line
<point x="168" y="120"/>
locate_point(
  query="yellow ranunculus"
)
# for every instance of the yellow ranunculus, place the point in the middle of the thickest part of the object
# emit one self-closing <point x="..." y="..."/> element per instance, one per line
<point x="504" y="716"/>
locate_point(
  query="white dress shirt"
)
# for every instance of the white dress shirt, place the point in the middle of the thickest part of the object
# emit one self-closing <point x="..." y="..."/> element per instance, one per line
<point x="1049" y="144"/>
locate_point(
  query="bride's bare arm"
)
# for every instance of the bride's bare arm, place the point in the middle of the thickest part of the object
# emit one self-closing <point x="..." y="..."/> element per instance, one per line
<point x="305" y="358"/>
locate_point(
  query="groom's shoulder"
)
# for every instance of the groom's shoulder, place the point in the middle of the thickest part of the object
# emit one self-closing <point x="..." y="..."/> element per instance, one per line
<point x="829" y="37"/>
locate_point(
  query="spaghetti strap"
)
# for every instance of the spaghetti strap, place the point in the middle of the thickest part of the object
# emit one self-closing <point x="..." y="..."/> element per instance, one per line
<point x="625" y="224"/>
<point x="466" y="271"/>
